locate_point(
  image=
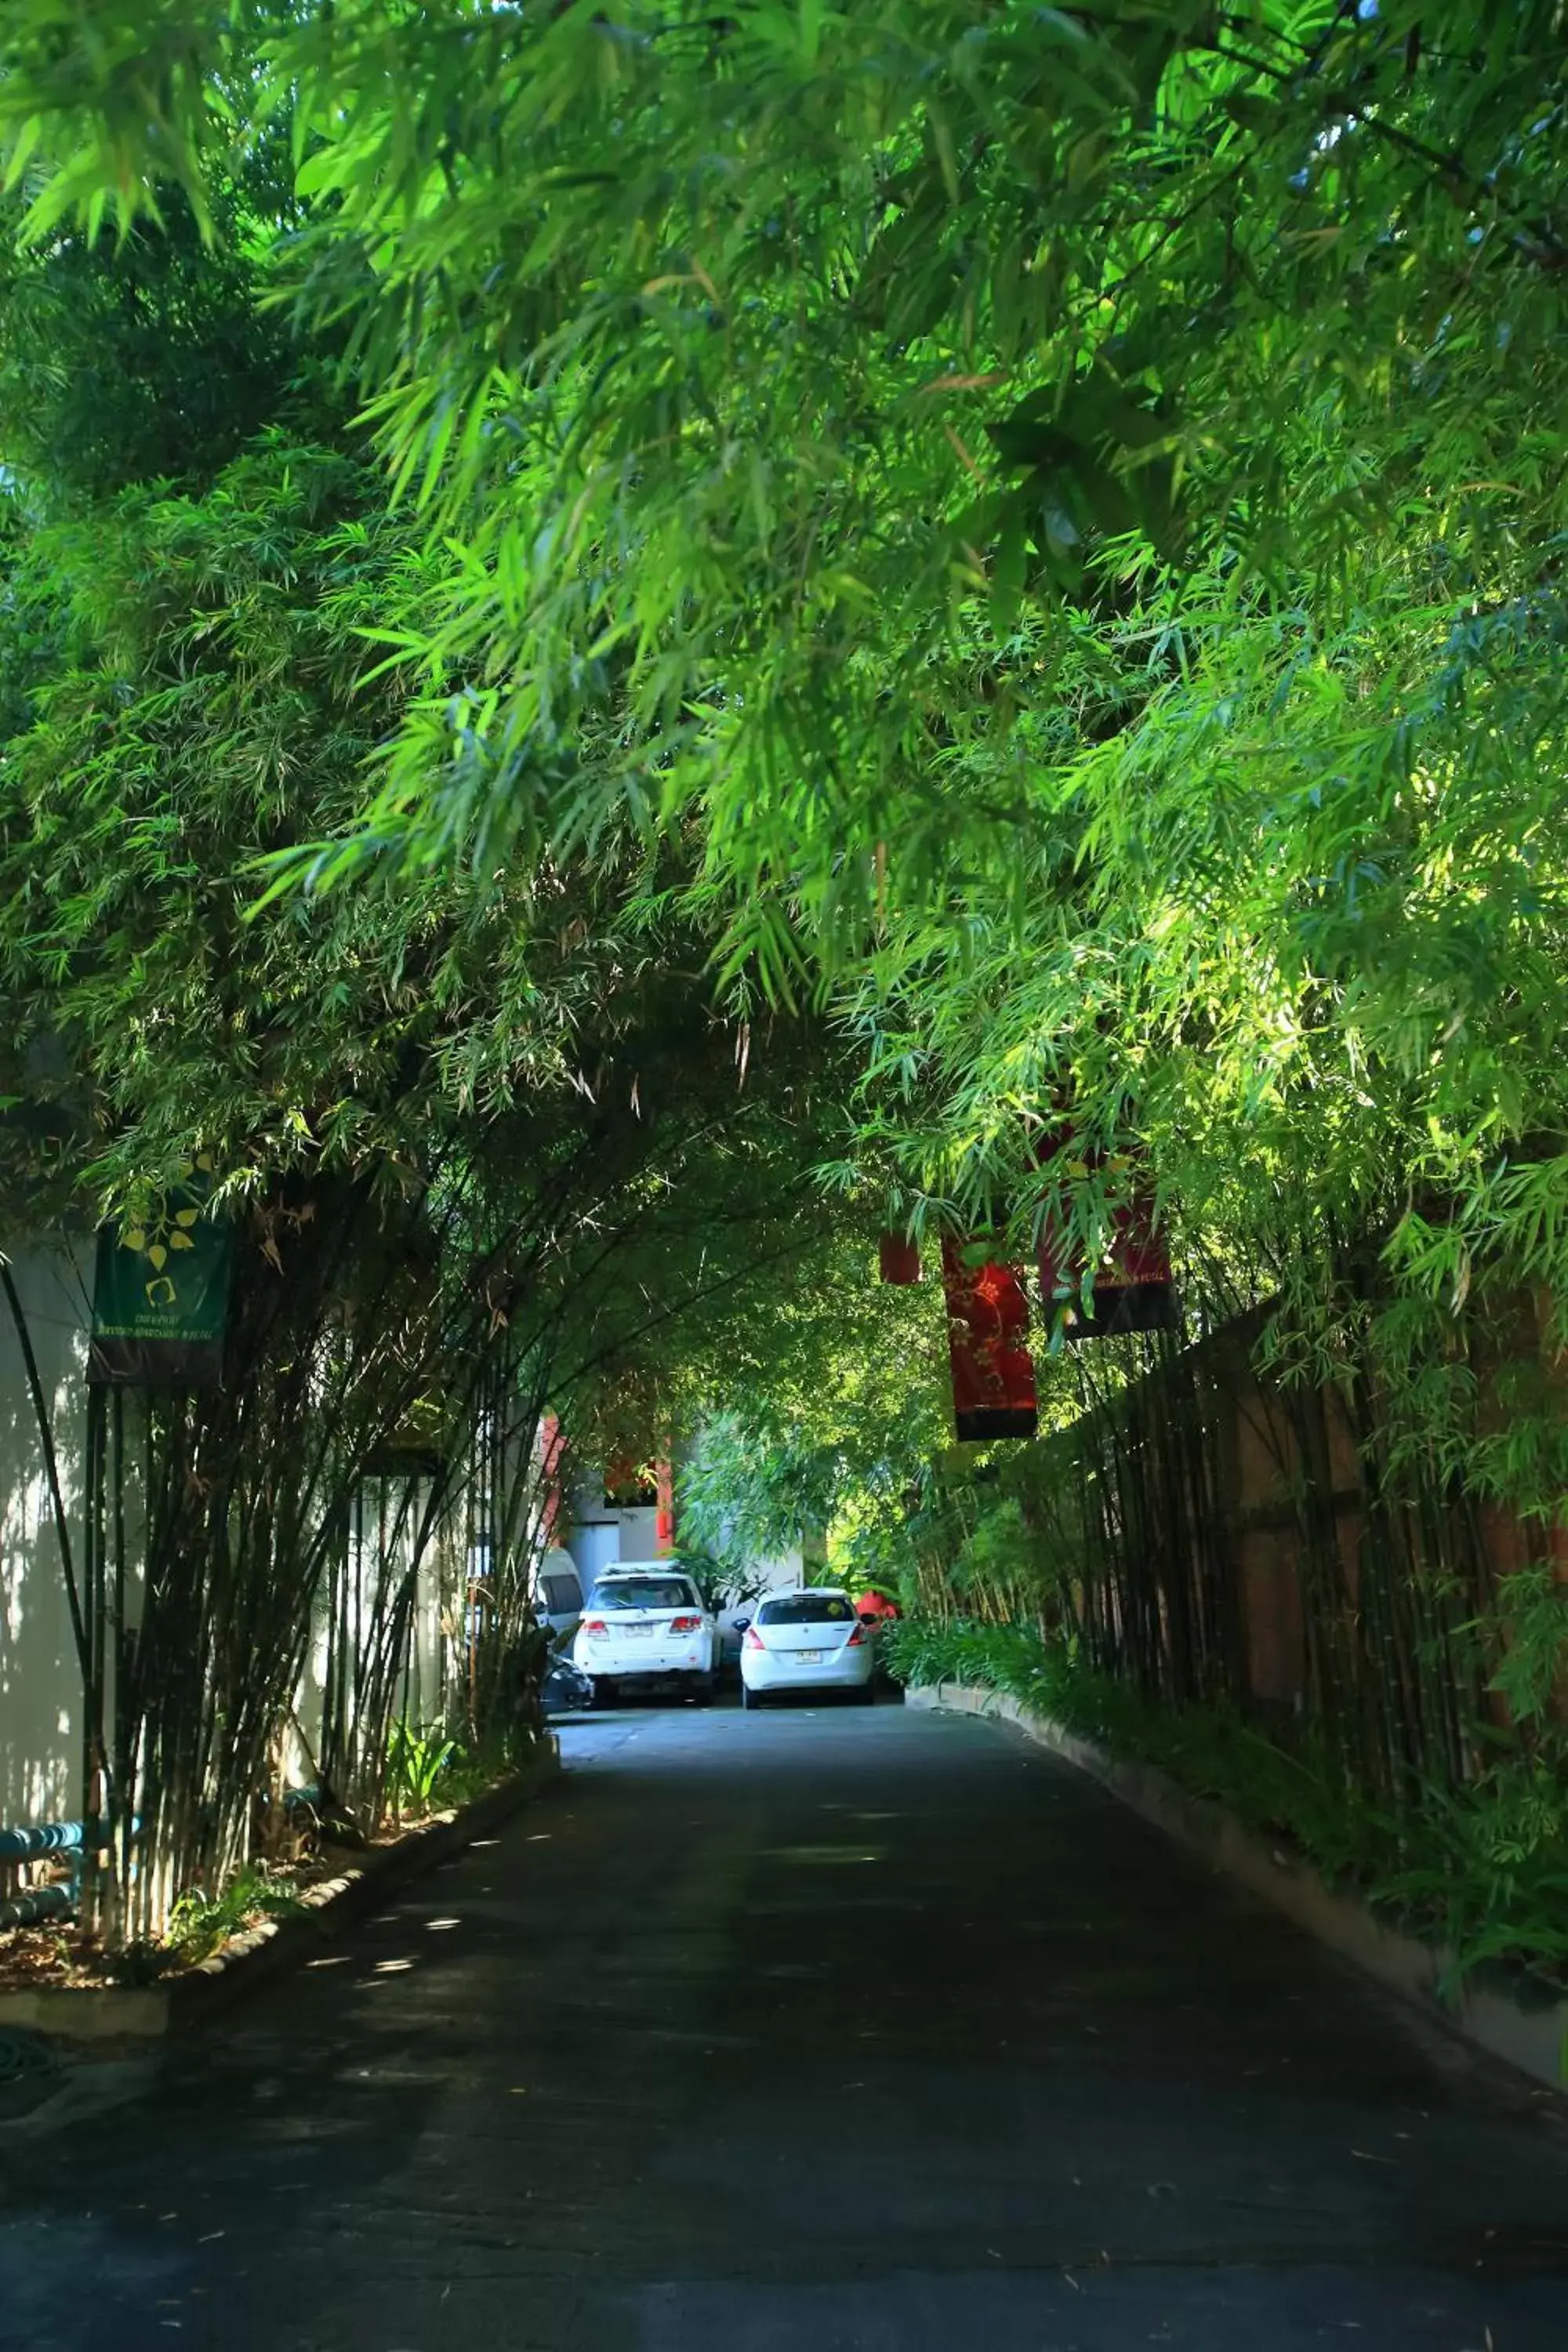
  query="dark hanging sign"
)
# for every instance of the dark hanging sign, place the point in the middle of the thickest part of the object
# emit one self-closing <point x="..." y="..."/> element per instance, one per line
<point x="160" y="1298"/>
<point x="988" y="1345"/>
<point x="1132" y="1289"/>
<point x="899" y="1258"/>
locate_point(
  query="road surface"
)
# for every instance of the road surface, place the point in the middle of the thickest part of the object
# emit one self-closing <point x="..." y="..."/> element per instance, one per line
<point x="817" y="2029"/>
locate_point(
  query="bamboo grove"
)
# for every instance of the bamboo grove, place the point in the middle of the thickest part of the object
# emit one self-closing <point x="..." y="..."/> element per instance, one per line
<point x="925" y="570"/>
<point x="1049" y="521"/>
<point x="483" y="1150"/>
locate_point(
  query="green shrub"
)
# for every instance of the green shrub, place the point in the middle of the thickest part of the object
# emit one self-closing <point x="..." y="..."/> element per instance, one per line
<point x="418" y="1757"/>
<point x="201" y="1924"/>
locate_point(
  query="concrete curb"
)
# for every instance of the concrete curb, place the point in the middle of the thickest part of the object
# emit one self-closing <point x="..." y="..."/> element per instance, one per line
<point x="126" y="2013"/>
<point x="1521" y="2020"/>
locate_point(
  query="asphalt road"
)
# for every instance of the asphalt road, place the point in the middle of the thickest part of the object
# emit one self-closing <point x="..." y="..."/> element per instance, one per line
<point x="817" y="2029"/>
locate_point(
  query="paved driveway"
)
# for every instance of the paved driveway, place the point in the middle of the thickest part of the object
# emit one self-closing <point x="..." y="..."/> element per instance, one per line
<point x="817" y="2030"/>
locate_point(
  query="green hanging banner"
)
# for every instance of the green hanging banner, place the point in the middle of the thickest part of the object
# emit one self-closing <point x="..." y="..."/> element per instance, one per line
<point x="160" y="1300"/>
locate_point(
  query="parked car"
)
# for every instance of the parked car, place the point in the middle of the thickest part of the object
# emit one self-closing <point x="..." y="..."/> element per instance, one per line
<point x="558" y="1594"/>
<point x="566" y="1689"/>
<point x="733" y="1617"/>
<point x="645" y="1627"/>
<point x="807" y="1640"/>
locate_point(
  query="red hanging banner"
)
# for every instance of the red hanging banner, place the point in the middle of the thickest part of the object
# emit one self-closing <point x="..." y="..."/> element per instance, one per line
<point x="987" y="1338"/>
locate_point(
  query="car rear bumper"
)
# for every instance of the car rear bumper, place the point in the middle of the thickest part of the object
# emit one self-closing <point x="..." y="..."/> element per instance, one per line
<point x="771" y="1675"/>
<point x="613" y="1689"/>
<point x="646" y="1664"/>
<point x="650" y="1671"/>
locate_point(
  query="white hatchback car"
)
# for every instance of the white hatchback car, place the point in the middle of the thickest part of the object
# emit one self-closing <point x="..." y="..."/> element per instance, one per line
<point x="645" y="1625"/>
<point x="807" y="1640"/>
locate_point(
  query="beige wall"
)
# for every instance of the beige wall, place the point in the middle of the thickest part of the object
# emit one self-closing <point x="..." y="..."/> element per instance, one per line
<point x="40" y="1685"/>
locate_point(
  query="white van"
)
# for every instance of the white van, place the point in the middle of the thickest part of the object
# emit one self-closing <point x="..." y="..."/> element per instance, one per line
<point x="558" y="1595"/>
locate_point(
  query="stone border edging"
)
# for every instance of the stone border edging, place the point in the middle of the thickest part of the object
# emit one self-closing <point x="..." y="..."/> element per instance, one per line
<point x="1532" y="2037"/>
<point x="116" y="2012"/>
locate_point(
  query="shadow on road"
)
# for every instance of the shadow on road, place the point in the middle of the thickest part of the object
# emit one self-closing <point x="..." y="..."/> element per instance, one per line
<point x="826" y="2027"/>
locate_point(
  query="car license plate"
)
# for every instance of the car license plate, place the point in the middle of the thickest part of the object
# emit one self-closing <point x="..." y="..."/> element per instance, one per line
<point x="808" y="1658"/>
<point x="643" y="1632"/>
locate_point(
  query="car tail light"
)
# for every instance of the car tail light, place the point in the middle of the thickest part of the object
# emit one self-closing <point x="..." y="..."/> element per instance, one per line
<point x="857" y="1639"/>
<point x="686" y="1625"/>
<point x="595" y="1625"/>
<point x="754" y="1640"/>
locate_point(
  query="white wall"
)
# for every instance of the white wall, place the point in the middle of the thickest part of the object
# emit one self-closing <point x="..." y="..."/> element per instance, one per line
<point x="438" y="1637"/>
<point x="599" y="1535"/>
<point x="40" y="1684"/>
<point x="785" y="1572"/>
<point x="593" y="1544"/>
<point x="382" y="1541"/>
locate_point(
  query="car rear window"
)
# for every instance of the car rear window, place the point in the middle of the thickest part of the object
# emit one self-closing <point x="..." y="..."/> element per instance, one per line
<point x="806" y="1609"/>
<point x="644" y="1592"/>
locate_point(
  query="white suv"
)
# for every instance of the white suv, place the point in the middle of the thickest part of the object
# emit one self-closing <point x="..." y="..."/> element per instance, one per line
<point x="647" y="1625"/>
